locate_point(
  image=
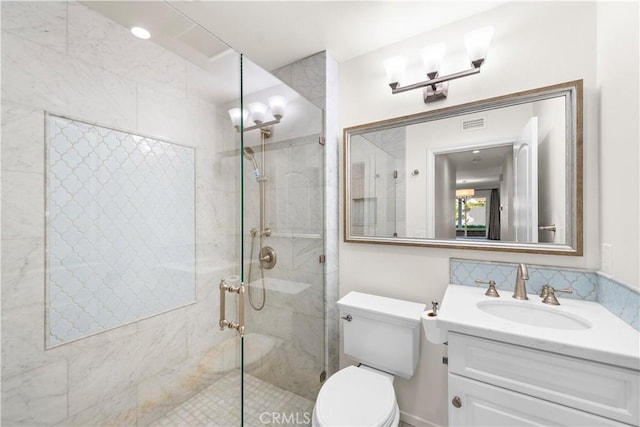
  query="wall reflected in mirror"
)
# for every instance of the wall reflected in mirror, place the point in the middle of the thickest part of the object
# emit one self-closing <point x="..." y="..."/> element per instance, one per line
<point x="496" y="174"/>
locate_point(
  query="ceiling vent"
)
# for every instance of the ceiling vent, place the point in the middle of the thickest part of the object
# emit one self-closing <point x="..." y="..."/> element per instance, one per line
<point x="473" y="124"/>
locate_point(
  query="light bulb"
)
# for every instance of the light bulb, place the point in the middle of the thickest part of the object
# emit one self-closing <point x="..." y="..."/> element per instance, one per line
<point x="477" y="43"/>
<point x="433" y="56"/>
<point x="277" y="105"/>
<point x="258" y="112"/>
<point x="235" y="114"/>
<point x="395" y="69"/>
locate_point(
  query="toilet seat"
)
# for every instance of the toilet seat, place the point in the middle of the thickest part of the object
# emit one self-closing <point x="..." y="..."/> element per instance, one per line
<point x="357" y="397"/>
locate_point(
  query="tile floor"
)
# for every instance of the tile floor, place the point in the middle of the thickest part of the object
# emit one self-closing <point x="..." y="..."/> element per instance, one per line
<point x="217" y="405"/>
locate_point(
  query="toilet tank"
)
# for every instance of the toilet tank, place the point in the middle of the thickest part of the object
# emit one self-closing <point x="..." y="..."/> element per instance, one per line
<point x="383" y="333"/>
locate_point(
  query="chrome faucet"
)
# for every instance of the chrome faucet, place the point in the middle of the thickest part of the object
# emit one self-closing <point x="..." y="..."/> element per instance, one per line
<point x="522" y="275"/>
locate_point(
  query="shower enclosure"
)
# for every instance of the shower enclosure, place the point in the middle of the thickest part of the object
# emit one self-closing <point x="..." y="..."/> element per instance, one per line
<point x="130" y="195"/>
<point x="283" y="245"/>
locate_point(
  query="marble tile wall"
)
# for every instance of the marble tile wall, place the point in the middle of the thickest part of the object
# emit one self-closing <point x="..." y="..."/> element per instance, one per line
<point x="316" y="78"/>
<point x="63" y="58"/>
<point x="106" y="189"/>
<point x="619" y="298"/>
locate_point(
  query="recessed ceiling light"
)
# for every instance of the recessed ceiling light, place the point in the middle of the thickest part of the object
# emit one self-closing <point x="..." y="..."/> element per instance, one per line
<point x="475" y="151"/>
<point x="140" y="33"/>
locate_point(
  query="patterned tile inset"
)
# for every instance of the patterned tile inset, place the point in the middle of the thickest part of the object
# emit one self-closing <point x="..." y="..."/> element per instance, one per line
<point x="120" y="224"/>
<point x="218" y="405"/>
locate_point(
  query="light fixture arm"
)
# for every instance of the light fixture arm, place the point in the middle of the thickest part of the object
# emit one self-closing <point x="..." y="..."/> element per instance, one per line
<point x="395" y="88"/>
<point x="261" y="125"/>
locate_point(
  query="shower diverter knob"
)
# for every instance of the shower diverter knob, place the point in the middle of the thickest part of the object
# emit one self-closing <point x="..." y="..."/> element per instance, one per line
<point x="268" y="258"/>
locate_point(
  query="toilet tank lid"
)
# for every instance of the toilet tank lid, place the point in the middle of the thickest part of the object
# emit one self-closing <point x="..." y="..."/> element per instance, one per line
<point x="400" y="309"/>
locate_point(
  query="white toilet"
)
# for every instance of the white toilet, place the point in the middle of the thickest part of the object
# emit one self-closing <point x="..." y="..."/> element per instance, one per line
<point x="383" y="335"/>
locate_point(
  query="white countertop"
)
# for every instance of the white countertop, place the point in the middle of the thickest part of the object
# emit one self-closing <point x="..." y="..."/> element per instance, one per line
<point x="610" y="340"/>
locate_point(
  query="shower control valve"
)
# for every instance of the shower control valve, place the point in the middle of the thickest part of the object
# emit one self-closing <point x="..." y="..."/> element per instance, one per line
<point x="267" y="257"/>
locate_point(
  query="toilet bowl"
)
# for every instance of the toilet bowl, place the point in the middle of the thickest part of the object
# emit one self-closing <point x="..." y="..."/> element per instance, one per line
<point x="383" y="335"/>
<point x="357" y="396"/>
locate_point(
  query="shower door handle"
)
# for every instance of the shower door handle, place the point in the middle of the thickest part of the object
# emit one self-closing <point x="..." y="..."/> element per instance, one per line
<point x="224" y="323"/>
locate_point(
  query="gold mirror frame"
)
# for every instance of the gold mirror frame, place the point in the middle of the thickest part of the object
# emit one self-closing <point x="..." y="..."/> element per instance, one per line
<point x="573" y="93"/>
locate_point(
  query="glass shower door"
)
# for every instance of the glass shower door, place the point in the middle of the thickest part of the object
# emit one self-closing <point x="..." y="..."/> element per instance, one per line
<point x="283" y="357"/>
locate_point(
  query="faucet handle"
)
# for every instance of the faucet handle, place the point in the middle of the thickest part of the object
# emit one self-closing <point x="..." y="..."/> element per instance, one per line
<point x="550" y="297"/>
<point x="491" y="291"/>
<point x="544" y="291"/>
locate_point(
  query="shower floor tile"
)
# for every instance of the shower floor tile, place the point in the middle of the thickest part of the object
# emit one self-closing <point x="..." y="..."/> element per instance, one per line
<point x="218" y="405"/>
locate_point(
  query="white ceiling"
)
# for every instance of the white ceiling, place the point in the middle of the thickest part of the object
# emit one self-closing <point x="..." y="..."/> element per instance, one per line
<point x="482" y="169"/>
<point x="276" y="33"/>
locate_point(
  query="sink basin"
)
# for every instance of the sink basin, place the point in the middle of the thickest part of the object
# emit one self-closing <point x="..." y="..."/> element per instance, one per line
<point x="533" y="315"/>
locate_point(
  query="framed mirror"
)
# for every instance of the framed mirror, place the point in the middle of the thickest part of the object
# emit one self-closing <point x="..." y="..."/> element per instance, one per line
<point x="500" y="174"/>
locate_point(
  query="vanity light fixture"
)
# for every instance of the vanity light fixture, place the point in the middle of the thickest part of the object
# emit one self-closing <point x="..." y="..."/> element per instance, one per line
<point x="140" y="33"/>
<point x="465" y="192"/>
<point x="437" y="87"/>
<point x="258" y="113"/>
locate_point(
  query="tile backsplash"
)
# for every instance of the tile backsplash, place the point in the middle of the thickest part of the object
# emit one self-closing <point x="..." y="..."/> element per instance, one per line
<point x="587" y="285"/>
<point x="619" y="299"/>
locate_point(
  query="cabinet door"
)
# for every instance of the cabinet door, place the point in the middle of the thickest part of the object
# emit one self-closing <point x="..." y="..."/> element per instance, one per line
<point x="486" y="405"/>
<point x="605" y="390"/>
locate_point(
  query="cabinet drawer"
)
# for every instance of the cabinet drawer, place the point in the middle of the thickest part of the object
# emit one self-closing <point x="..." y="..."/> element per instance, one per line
<point x="601" y="389"/>
<point x="486" y="405"/>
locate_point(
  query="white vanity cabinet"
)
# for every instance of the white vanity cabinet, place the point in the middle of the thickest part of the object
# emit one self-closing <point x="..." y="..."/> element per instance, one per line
<point x="493" y="383"/>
